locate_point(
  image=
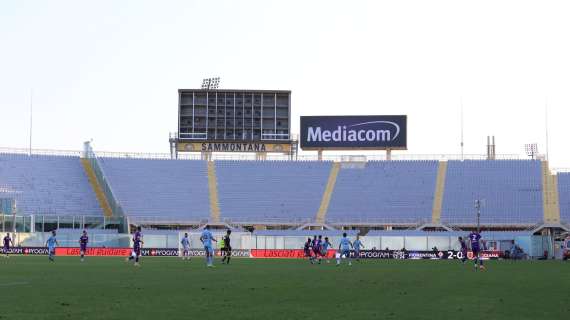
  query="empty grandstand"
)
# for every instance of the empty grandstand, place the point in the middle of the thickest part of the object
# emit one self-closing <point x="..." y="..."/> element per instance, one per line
<point x="511" y="191"/>
<point x="402" y="194"/>
<point x="257" y="191"/>
<point x="168" y="190"/>
<point x="47" y="185"/>
<point x="564" y="193"/>
<point x="384" y="192"/>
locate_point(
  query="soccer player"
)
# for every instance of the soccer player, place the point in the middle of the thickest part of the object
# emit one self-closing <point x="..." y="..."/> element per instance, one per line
<point x="463" y="250"/>
<point x="319" y="253"/>
<point x="137" y="244"/>
<point x="357" y="244"/>
<point x="316" y="248"/>
<point x="307" y="250"/>
<point x="325" y="248"/>
<point x="475" y="238"/>
<point x="344" y="250"/>
<point x="83" y="240"/>
<point x="185" y="242"/>
<point x="7" y="242"/>
<point x="51" y="243"/>
<point x="227" y="248"/>
<point x="207" y="239"/>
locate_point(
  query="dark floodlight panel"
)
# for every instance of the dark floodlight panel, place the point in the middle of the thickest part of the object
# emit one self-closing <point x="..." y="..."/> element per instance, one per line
<point x="210" y="83"/>
<point x="531" y="148"/>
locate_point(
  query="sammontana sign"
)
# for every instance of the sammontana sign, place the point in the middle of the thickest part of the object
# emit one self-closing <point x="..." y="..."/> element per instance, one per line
<point x="233" y="147"/>
<point x="353" y="132"/>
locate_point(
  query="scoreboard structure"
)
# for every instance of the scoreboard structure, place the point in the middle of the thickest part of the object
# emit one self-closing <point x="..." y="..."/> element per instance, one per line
<point x="223" y="120"/>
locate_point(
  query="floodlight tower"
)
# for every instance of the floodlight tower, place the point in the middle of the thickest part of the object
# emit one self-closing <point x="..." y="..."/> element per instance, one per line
<point x="211" y="83"/>
<point x="478" y="211"/>
<point x="531" y="150"/>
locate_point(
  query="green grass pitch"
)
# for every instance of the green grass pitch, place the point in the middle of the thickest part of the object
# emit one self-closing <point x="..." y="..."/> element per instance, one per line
<point x="168" y="288"/>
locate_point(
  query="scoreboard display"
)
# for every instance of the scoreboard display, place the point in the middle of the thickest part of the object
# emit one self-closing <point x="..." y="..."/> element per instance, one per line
<point x="234" y="120"/>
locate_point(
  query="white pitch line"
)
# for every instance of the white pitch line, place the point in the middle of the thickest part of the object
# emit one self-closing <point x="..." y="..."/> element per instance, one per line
<point x="11" y="284"/>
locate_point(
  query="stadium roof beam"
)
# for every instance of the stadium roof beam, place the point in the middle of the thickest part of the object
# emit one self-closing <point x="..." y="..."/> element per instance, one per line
<point x="313" y="224"/>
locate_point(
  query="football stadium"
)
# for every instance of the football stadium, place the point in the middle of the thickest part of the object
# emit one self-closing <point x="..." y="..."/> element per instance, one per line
<point x="260" y="207"/>
<point x="242" y="181"/>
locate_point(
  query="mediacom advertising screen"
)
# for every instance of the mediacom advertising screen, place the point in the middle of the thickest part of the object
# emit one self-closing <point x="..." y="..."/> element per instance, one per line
<point x="354" y="132"/>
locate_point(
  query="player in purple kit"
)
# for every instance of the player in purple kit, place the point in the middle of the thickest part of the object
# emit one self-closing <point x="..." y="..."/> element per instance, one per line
<point x="83" y="240"/>
<point x="7" y="242"/>
<point x="316" y="247"/>
<point x="475" y="238"/>
<point x="320" y="248"/>
<point x="307" y="250"/>
<point x="137" y="244"/>
<point x="463" y="250"/>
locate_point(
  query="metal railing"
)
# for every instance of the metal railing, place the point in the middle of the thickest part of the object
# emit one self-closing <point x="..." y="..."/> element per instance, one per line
<point x="116" y="207"/>
<point x="40" y="152"/>
<point x="250" y="156"/>
<point x="304" y="157"/>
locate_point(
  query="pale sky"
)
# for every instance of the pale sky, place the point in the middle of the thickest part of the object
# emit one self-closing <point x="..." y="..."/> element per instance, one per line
<point x="110" y="70"/>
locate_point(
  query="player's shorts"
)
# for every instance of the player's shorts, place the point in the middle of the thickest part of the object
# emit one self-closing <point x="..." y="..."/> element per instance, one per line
<point x="323" y="252"/>
<point x="476" y="251"/>
<point x="6" y="248"/>
<point x="51" y="250"/>
<point x="185" y="249"/>
<point x="357" y="253"/>
<point x="137" y="251"/>
<point x="345" y="252"/>
<point x="209" y="249"/>
<point x="307" y="253"/>
<point x="83" y="247"/>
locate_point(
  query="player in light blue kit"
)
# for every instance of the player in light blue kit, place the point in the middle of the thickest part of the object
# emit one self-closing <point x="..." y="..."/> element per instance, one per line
<point x="344" y="250"/>
<point x="325" y="248"/>
<point x="51" y="243"/>
<point x="357" y="244"/>
<point x="207" y="239"/>
<point x="185" y="247"/>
